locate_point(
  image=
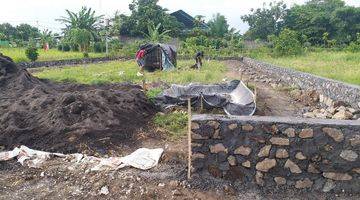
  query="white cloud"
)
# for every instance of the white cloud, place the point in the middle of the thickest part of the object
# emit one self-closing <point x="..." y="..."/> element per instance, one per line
<point x="42" y="13"/>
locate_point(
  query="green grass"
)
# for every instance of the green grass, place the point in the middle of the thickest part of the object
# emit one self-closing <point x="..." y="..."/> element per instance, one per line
<point x="174" y="124"/>
<point x="126" y="71"/>
<point x="18" y="54"/>
<point x="342" y="66"/>
<point x="153" y="93"/>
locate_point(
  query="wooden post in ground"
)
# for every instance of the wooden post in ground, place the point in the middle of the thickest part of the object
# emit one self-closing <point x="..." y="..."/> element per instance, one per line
<point x="201" y="104"/>
<point x="189" y="139"/>
<point x="255" y="94"/>
<point x="144" y="83"/>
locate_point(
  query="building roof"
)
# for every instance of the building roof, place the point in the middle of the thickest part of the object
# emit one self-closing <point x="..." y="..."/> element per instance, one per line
<point x="187" y="19"/>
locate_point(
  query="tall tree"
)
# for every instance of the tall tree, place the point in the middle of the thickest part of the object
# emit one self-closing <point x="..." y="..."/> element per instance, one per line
<point x="347" y="23"/>
<point x="25" y="32"/>
<point x="313" y="19"/>
<point x="145" y="13"/>
<point x="7" y="30"/>
<point x="265" y="21"/>
<point x="218" y="25"/>
<point x="114" y="29"/>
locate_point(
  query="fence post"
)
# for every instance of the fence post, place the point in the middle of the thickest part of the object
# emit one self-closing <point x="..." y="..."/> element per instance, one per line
<point x="255" y="94"/>
<point x="201" y="103"/>
<point x="189" y="139"/>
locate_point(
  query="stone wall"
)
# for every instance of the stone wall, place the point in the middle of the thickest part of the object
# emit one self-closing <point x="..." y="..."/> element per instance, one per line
<point x="282" y="152"/>
<point x="329" y="89"/>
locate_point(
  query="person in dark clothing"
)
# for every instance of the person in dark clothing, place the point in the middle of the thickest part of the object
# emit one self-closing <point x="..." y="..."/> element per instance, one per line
<point x="198" y="58"/>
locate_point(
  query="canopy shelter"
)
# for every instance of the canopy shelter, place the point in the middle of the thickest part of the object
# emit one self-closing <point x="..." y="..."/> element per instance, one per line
<point x="234" y="97"/>
<point x="156" y="57"/>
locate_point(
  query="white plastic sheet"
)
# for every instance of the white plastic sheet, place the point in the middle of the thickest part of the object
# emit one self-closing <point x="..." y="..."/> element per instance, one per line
<point x="142" y="158"/>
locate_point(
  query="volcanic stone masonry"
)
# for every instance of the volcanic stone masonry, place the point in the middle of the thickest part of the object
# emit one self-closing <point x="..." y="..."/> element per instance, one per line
<point x="309" y="154"/>
<point x="328" y="89"/>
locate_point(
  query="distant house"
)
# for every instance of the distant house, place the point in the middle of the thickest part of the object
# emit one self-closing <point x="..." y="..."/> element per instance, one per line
<point x="187" y="20"/>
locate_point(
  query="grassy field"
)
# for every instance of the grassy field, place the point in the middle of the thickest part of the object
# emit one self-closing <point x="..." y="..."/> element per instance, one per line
<point x="342" y="66"/>
<point x="18" y="54"/>
<point x="126" y="71"/>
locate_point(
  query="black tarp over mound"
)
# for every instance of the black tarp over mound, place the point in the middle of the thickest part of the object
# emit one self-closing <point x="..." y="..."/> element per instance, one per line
<point x="234" y="97"/>
<point x="158" y="57"/>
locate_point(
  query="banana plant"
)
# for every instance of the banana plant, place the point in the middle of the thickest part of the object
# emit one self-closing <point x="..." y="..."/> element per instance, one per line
<point x="83" y="19"/>
<point x="155" y="35"/>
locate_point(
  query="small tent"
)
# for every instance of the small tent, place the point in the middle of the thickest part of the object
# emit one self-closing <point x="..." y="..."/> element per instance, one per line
<point x="156" y="57"/>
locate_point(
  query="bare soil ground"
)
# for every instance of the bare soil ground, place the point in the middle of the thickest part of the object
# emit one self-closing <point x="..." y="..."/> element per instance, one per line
<point x="270" y="101"/>
<point x="59" y="180"/>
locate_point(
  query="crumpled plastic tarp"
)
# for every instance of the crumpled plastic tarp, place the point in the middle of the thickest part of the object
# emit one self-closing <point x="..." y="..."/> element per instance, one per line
<point x="142" y="158"/>
<point x="234" y="97"/>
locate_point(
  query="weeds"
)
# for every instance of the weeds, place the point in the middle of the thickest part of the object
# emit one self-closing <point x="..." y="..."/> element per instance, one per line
<point x="153" y="93"/>
<point x="174" y="123"/>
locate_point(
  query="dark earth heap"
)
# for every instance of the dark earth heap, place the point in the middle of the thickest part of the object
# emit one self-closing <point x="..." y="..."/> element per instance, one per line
<point x="67" y="117"/>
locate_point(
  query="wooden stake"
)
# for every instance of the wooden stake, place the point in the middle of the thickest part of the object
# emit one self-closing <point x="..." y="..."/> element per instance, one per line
<point x="189" y="139"/>
<point x="255" y="94"/>
<point x="201" y="104"/>
<point x="144" y="85"/>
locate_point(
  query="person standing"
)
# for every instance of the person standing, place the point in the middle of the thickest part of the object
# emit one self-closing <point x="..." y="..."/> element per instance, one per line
<point x="198" y="58"/>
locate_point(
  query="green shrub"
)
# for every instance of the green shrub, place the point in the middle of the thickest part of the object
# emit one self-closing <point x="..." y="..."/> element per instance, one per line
<point x="132" y="48"/>
<point x="355" y="46"/>
<point x="198" y="41"/>
<point x="85" y="54"/>
<point x="287" y="43"/>
<point x="31" y="53"/>
<point x="213" y="47"/>
<point x="64" y="47"/>
<point x="99" y="47"/>
<point x="115" y="45"/>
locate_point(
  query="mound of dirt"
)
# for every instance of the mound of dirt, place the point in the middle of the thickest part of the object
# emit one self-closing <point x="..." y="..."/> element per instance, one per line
<point x="67" y="118"/>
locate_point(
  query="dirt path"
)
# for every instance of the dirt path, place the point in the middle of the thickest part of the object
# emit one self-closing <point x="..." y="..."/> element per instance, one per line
<point x="271" y="100"/>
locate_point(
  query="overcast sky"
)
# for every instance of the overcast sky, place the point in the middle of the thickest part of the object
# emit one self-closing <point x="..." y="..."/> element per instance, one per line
<point x="42" y="13"/>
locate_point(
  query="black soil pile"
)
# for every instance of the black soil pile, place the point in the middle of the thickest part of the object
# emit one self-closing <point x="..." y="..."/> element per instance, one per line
<point x="67" y="118"/>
